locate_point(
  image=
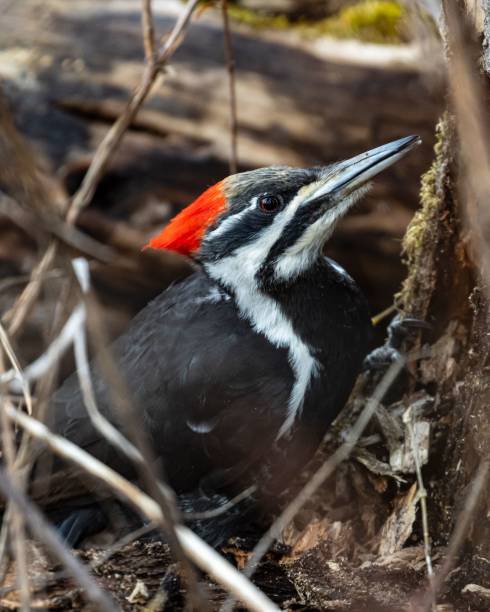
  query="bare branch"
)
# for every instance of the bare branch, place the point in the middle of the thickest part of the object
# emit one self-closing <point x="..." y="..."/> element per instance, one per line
<point x="460" y="532"/>
<point x="24" y="383"/>
<point x="46" y="534"/>
<point x="33" y="223"/>
<point x="25" y="302"/>
<point x="422" y="495"/>
<point x="55" y="350"/>
<point x="208" y="514"/>
<point x="14" y="520"/>
<point x="122" y="401"/>
<point x="230" y="65"/>
<point x="148" y="31"/>
<point x="114" y="136"/>
<point x="16" y="316"/>
<point x="172" y="42"/>
<point x="103" y="426"/>
<point x="195" y="548"/>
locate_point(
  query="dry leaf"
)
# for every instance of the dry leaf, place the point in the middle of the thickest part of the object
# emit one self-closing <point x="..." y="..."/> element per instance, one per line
<point x="398" y="527"/>
<point x="308" y="538"/>
<point x="478" y="590"/>
<point x="402" y="459"/>
<point x="374" y="465"/>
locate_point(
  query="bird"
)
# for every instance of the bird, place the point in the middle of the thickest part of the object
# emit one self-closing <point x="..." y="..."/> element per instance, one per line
<point x="238" y="371"/>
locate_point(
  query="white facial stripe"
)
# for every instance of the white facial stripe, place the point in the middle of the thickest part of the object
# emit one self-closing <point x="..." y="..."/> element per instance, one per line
<point x="301" y="255"/>
<point x="227" y="224"/>
<point x="269" y="235"/>
<point x="238" y="272"/>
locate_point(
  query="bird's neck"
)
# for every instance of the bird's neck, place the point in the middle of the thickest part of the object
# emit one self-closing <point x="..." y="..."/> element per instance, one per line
<point x="300" y="317"/>
<point x="262" y="309"/>
<point x="266" y="316"/>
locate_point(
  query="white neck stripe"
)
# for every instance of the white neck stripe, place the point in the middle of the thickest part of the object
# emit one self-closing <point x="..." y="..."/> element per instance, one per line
<point x="266" y="317"/>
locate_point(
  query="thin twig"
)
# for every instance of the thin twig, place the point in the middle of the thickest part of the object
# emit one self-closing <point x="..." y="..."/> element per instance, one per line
<point x="148" y="27"/>
<point x="35" y="224"/>
<point x="460" y="532"/>
<point x="114" y="136"/>
<point x="122" y="542"/>
<point x="139" y="453"/>
<point x="101" y="424"/>
<point x="42" y="582"/>
<point x="46" y="534"/>
<point x="24" y="383"/>
<point x="209" y="514"/>
<point x="122" y="401"/>
<point x="231" y="68"/>
<point x="15" y="520"/>
<point x="25" y="302"/>
<point x="16" y="316"/>
<point x="422" y="495"/>
<point x="195" y="548"/>
<point x="41" y="366"/>
<point x="74" y="331"/>
<point x="20" y="174"/>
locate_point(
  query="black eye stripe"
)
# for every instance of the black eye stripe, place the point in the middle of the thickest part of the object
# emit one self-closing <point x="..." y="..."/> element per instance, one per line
<point x="238" y="235"/>
<point x="305" y="216"/>
<point x="243" y="197"/>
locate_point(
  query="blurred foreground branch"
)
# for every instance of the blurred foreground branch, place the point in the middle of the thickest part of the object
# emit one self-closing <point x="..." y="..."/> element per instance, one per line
<point x="195" y="548"/>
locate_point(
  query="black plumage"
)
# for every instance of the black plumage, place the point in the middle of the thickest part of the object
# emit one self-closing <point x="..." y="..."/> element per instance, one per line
<point x="236" y="372"/>
<point x="212" y="392"/>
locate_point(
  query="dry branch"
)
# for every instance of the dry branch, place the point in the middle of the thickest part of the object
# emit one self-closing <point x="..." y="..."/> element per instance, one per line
<point x="148" y="27"/>
<point x="14" y="521"/>
<point x="463" y="522"/>
<point x="230" y="65"/>
<point x="196" y="549"/>
<point x="24" y="303"/>
<point x="47" y="534"/>
<point x="43" y="364"/>
<point x="422" y="495"/>
<point x="155" y="63"/>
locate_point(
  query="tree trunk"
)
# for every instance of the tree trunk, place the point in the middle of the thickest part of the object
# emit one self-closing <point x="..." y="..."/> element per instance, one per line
<point x="445" y="286"/>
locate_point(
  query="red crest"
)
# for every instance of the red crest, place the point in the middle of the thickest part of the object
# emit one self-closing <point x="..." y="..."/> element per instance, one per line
<point x="185" y="231"/>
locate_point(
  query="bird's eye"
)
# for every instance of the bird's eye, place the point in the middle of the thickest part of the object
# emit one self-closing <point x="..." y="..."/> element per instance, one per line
<point x="269" y="203"/>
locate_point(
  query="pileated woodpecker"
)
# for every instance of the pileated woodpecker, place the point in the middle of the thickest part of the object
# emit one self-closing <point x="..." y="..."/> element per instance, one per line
<point x="238" y="370"/>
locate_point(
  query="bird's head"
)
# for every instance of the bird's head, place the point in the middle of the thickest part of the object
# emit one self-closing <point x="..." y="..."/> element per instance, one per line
<point x="269" y="225"/>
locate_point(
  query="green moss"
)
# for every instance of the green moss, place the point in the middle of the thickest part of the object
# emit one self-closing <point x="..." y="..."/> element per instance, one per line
<point x="259" y="20"/>
<point x="422" y="232"/>
<point x="380" y="21"/>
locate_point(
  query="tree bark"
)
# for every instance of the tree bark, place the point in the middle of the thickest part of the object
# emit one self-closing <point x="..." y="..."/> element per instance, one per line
<point x="445" y="287"/>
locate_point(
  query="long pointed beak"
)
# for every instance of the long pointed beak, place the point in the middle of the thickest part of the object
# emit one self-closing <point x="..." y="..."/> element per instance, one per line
<point x="347" y="176"/>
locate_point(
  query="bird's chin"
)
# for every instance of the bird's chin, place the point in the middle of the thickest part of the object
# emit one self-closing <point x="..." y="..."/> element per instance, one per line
<point x="330" y="215"/>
